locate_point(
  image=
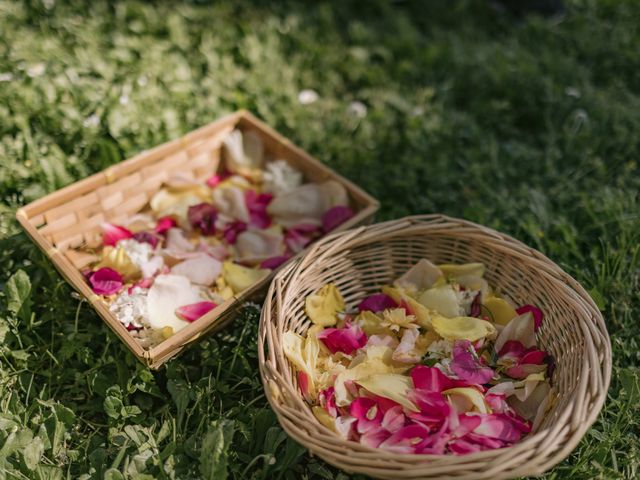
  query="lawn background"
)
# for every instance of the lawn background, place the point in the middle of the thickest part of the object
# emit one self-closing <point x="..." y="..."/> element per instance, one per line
<point x="529" y="125"/>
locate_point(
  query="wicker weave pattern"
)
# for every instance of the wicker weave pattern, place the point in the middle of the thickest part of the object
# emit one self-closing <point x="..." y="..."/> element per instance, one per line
<point x="359" y="261"/>
<point x="66" y="223"/>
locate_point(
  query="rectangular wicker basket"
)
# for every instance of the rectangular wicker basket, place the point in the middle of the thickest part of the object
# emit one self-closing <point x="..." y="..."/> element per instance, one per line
<point x="64" y="223"/>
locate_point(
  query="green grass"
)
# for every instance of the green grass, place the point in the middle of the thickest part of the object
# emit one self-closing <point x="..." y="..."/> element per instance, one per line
<point x="530" y="126"/>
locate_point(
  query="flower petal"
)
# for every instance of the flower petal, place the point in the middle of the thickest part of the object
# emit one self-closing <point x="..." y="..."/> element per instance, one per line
<point x="535" y="311"/>
<point x="203" y="217"/>
<point x="422" y="275"/>
<point x="408" y="439"/>
<point x="466" y="365"/>
<point x="166" y="295"/>
<point x="105" y="281"/>
<point x="299" y="236"/>
<point x="335" y="216"/>
<point x="431" y="379"/>
<point x="147" y="237"/>
<point x="232" y="230"/>
<point x="442" y="299"/>
<point x="274" y="262"/>
<point x="257" y="206"/>
<point x="194" y="311"/>
<point x="240" y="278"/>
<point x="367" y="412"/>
<point x="462" y="328"/>
<point x="501" y="310"/>
<point x="521" y="328"/>
<point x="433" y="406"/>
<point x="230" y="201"/>
<point x="377" y="303"/>
<point x="346" y="340"/>
<point x="323" y="305"/>
<point x="254" y="246"/>
<point x="112" y="234"/>
<point x="466" y="399"/>
<point x="392" y="386"/>
<point x="202" y="270"/>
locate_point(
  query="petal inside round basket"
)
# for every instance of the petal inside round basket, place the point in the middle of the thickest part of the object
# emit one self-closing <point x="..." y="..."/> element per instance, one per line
<point x="362" y="260"/>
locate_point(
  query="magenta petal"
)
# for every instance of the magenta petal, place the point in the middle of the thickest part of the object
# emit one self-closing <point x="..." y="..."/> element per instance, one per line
<point x="367" y="412"/>
<point x="112" y="234"/>
<point x="408" y="439"/>
<point x="467" y="367"/>
<point x="164" y="224"/>
<point x="497" y="402"/>
<point x="105" y="281"/>
<point x="377" y="303"/>
<point x="432" y="379"/>
<point x="534" y="357"/>
<point x="194" y="311"/>
<point x="434" y="408"/>
<point x="303" y="383"/>
<point x="462" y="446"/>
<point x="466" y="424"/>
<point x="394" y="419"/>
<point x="512" y="349"/>
<point x="203" y="217"/>
<point x="374" y="437"/>
<point x="500" y="427"/>
<point x="335" y="216"/>
<point x="327" y="400"/>
<point x="347" y="339"/>
<point x="257" y="206"/>
<point x="232" y="230"/>
<point x="535" y="311"/>
<point x="146" y="237"/>
<point x="274" y="262"/>
<point x="485" y="443"/>
<point x="299" y="236"/>
<point x="215" y="180"/>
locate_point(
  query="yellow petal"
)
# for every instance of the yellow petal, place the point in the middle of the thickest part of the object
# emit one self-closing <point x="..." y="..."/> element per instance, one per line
<point x="322" y="306"/>
<point x="501" y="311"/>
<point x="441" y="299"/>
<point x="324" y="418"/>
<point x="399" y="317"/>
<point x="118" y="260"/>
<point x="293" y="346"/>
<point x="371" y="323"/>
<point x="462" y="328"/>
<point x="423" y="317"/>
<point x="166" y="332"/>
<point x="467" y="269"/>
<point x="466" y="399"/>
<point x="392" y="386"/>
<point x="240" y="278"/>
<point x="167" y="203"/>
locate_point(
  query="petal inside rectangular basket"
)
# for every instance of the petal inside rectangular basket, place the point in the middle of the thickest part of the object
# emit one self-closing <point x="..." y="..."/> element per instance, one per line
<point x="66" y="224"/>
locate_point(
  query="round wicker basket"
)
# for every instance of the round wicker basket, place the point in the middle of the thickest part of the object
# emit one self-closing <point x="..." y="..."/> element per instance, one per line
<point x="361" y="260"/>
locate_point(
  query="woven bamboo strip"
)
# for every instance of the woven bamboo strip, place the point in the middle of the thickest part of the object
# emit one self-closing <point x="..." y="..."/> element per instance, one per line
<point x="369" y="257"/>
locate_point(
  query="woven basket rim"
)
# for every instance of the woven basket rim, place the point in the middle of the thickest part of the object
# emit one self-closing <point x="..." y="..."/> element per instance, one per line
<point x="597" y="353"/>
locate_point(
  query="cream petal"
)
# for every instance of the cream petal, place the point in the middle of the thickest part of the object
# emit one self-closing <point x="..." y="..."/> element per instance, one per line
<point x="521" y="328"/>
<point x="230" y="201"/>
<point x="202" y="270"/>
<point x="443" y="300"/>
<point x="254" y="246"/>
<point x="423" y="274"/>
<point x="168" y="293"/>
<point x="177" y="241"/>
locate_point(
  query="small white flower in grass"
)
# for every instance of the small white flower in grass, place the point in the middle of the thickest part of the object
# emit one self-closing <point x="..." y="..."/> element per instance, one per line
<point x="308" y="96"/>
<point x="357" y="109"/>
<point x="91" y="121"/>
<point x="6" y="77"/>
<point x="36" y="70"/>
<point x="124" y="99"/>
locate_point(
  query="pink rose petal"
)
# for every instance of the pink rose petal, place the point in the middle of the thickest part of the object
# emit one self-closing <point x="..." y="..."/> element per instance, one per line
<point x="374" y="437"/>
<point x="408" y="439"/>
<point x="257" y="205"/>
<point x="335" y="217"/>
<point x="112" y="234"/>
<point x="394" y="419"/>
<point x="467" y="366"/>
<point x="462" y="446"/>
<point x="432" y="379"/>
<point x="377" y="303"/>
<point x="367" y="412"/>
<point x="347" y="339"/>
<point x="164" y="224"/>
<point x="535" y="311"/>
<point x="106" y="281"/>
<point x="327" y="400"/>
<point x="299" y="236"/>
<point x="203" y="217"/>
<point x="232" y="230"/>
<point x="303" y="383"/>
<point x="215" y="180"/>
<point x="147" y="237"/>
<point x="512" y="349"/>
<point x="500" y="427"/>
<point x="274" y="262"/>
<point x="194" y="311"/>
<point x="433" y="406"/>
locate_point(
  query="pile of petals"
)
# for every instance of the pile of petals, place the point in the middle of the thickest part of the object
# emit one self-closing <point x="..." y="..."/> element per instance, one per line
<point x="201" y="242"/>
<point x="437" y="363"/>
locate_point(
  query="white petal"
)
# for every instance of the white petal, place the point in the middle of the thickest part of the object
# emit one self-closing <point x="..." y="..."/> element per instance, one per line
<point x="230" y="201"/>
<point x="167" y="293"/>
<point x="202" y="269"/>
<point x="307" y="203"/>
<point x="422" y="275"/>
<point x="177" y="242"/>
<point x="152" y="266"/>
<point x="256" y="245"/>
